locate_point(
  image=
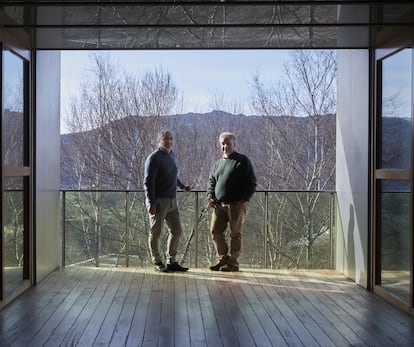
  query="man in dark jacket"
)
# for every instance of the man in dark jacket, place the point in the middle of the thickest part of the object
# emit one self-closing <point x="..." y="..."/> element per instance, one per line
<point x="160" y="185"/>
<point x="231" y="184"/>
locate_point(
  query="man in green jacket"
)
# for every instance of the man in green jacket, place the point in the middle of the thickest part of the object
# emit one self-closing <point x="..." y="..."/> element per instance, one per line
<point x="231" y="184"/>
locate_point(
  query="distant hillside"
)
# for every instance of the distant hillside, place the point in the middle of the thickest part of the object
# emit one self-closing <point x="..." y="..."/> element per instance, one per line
<point x="280" y="148"/>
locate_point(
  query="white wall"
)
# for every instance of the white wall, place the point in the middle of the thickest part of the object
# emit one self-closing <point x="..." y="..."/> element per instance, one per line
<point x="47" y="174"/>
<point x="352" y="165"/>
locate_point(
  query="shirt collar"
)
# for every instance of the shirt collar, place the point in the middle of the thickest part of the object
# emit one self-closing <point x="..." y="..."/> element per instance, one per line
<point x="231" y="156"/>
<point x="162" y="149"/>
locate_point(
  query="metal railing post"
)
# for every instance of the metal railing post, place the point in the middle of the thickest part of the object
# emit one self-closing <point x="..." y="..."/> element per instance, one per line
<point x="98" y="229"/>
<point x="196" y="229"/>
<point x="331" y="228"/>
<point x="126" y="229"/>
<point x="63" y="228"/>
<point x="266" y="229"/>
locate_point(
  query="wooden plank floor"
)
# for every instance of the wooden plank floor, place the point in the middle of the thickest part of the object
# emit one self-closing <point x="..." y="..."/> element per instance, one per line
<point x="138" y="307"/>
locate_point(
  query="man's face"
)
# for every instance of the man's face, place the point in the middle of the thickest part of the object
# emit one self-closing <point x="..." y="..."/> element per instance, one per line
<point x="227" y="146"/>
<point x="166" y="141"/>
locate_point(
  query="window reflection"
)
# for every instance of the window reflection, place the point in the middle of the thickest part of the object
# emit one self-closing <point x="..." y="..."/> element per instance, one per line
<point x="14" y="188"/>
<point x="13" y="110"/>
<point x="14" y="211"/>
<point x="395" y="237"/>
<point x="396" y="111"/>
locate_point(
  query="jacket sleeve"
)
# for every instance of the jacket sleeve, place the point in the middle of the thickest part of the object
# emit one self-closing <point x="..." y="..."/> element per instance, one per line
<point x="150" y="172"/>
<point x="180" y="184"/>
<point x="212" y="183"/>
<point x="250" y="181"/>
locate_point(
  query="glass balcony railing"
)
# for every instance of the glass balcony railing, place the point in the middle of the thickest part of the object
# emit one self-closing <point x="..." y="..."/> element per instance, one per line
<point x="283" y="229"/>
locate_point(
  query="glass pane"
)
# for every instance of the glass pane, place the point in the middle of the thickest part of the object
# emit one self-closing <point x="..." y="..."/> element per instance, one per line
<point x="300" y="230"/>
<point x="396" y="111"/>
<point x="395" y="238"/>
<point x="111" y="229"/>
<point x="14" y="211"/>
<point x="13" y="110"/>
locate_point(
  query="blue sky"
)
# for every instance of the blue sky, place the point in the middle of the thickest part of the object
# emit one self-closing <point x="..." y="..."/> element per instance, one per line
<point x="13" y="85"/>
<point x="201" y="74"/>
<point x="198" y="74"/>
<point x="397" y="79"/>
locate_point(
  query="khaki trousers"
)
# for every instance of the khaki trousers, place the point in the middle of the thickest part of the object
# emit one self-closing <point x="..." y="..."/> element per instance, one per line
<point x="222" y="216"/>
<point x="166" y="209"/>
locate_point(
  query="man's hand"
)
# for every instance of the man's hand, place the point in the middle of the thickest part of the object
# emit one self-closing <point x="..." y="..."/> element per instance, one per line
<point x="212" y="203"/>
<point x="243" y="204"/>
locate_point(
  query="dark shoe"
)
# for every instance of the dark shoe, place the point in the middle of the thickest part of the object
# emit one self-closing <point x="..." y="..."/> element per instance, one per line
<point x="175" y="267"/>
<point x="229" y="268"/>
<point x="219" y="265"/>
<point x="160" y="267"/>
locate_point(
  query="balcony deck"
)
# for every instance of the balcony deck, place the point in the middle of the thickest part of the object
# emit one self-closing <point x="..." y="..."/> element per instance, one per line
<point x="137" y="307"/>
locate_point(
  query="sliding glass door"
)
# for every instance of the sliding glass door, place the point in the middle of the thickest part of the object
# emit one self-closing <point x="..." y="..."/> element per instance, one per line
<point x="16" y="172"/>
<point x="393" y="176"/>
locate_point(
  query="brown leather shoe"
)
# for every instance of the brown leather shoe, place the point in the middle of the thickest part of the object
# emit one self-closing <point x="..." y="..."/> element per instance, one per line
<point x="219" y="265"/>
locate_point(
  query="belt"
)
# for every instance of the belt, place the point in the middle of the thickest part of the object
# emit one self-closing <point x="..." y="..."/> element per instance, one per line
<point x="223" y="204"/>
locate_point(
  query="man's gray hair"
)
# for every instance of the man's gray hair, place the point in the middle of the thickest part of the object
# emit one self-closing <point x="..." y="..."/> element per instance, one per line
<point x="162" y="133"/>
<point x="227" y="134"/>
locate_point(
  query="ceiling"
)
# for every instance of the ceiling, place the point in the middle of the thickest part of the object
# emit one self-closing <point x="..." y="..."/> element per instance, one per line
<point x="204" y="24"/>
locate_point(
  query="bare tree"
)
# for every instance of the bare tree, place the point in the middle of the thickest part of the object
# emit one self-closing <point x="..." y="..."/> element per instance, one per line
<point x="114" y="120"/>
<point x="299" y="150"/>
<point x="233" y="106"/>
